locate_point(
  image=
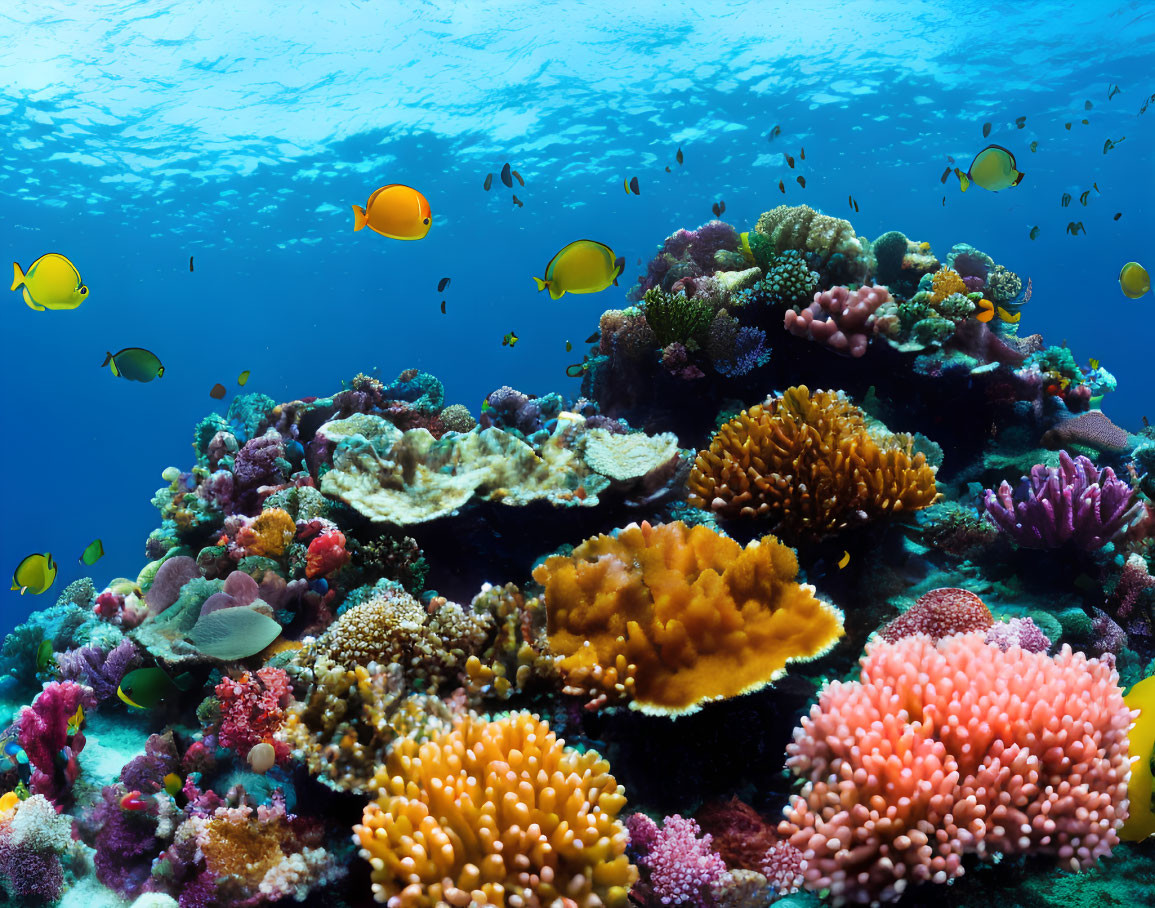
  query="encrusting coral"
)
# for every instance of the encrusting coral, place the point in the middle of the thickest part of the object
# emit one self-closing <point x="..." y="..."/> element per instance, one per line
<point x="669" y="617"/>
<point x="496" y="813"/>
<point x="810" y="466"/>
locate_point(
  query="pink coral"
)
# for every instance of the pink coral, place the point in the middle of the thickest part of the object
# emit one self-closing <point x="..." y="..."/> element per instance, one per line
<point x="840" y="319"/>
<point x="46" y="736"/>
<point x="1018" y="632"/>
<point x="952" y="748"/>
<point x="940" y="613"/>
<point x="682" y="867"/>
<point x="252" y="709"/>
<point x="784" y="867"/>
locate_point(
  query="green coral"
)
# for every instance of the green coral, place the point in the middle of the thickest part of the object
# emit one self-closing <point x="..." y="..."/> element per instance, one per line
<point x="675" y="318"/>
<point x="956" y="307"/>
<point x="249" y="411"/>
<point x="788" y="280"/>
<point x="1058" y="360"/>
<point x="889" y="250"/>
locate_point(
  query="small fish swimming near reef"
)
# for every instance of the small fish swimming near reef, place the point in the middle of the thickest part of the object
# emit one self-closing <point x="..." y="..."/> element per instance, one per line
<point x="1134" y="280"/>
<point x="144" y="688"/>
<point x="1083" y="197"/>
<point x="1066" y="200"/>
<point x="34" y="574"/>
<point x="718" y="208"/>
<point x="134" y="363"/>
<point x="133" y="801"/>
<point x="1034" y="233"/>
<point x="518" y="202"/>
<point x="802" y="153"/>
<point x="1020" y="122"/>
<point x="1087" y="105"/>
<point x="395" y="211"/>
<point x="782" y="187"/>
<point x="1074" y="227"/>
<point x="442" y="284"/>
<point x="631" y="185"/>
<point x="44" y="656"/>
<point x="945" y="174"/>
<point x="1067" y="126"/>
<point x="844" y="560"/>
<point x="789" y="160"/>
<point x="507" y="175"/>
<point x="850" y="201"/>
<point x="51" y="282"/>
<point x="986" y="130"/>
<point x="173" y="783"/>
<point x="944" y="201"/>
<point x="443" y="307"/>
<point x="801" y="180"/>
<point x="594" y="338"/>
<point x="190" y="263"/>
<point x="1107" y="146"/>
<point x="992" y="169"/>
<point x="92" y="553"/>
<point x="243" y="378"/>
<point x="776" y="131"/>
<point x="583" y="266"/>
<point x="577" y="370"/>
<point x="1112" y="91"/>
<point x="1034" y="146"/>
<point x="1007" y="316"/>
<point x="510" y="340"/>
<point x="75" y="721"/>
<point x="568" y="347"/>
<point x="679" y="157"/>
<point x="1118" y="214"/>
<point x="1143" y="109"/>
<point x="488" y="182"/>
<point x="1094" y="363"/>
<point x="520" y="181"/>
<point x="218" y="391"/>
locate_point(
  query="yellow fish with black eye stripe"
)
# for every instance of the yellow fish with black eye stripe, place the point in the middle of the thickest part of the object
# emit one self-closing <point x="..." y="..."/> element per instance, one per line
<point x="51" y="282"/>
<point x="35" y="574"/>
<point x="993" y="169"/>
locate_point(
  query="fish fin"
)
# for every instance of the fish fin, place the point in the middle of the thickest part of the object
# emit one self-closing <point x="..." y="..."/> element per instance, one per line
<point x="541" y="285"/>
<point x="184" y="681"/>
<point x="963" y="180"/>
<point x="30" y="302"/>
<point x="555" y="293"/>
<point x="17" y="275"/>
<point x="359" y="218"/>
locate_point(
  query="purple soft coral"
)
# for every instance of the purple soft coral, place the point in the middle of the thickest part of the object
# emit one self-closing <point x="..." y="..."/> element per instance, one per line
<point x="1070" y="504"/>
<point x="100" y="669"/>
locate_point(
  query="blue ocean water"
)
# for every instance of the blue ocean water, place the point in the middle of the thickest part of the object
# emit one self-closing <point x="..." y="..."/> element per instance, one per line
<point x="138" y="134"/>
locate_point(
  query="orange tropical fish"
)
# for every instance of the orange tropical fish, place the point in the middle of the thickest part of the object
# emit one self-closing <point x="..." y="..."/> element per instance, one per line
<point x="395" y="211"/>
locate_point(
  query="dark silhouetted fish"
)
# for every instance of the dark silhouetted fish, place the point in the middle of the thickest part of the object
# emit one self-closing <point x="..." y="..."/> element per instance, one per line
<point x="517" y="176"/>
<point x="1020" y="122"/>
<point x="190" y="263"/>
<point x="789" y="160"/>
<point x="507" y="175"/>
<point x="442" y="284"/>
<point x="488" y="182"/>
<point x="1112" y="91"/>
<point x="679" y="157"/>
<point x="801" y="181"/>
<point x="986" y="130"/>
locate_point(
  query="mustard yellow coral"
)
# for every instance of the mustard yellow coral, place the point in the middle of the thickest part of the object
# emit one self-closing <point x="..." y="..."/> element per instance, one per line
<point x="944" y="283"/>
<point x="270" y="534"/>
<point x="810" y="465"/>
<point x="668" y="617"/>
<point x="496" y="813"/>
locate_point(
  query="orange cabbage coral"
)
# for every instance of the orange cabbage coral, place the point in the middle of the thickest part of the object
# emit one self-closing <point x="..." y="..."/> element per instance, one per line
<point x="269" y="535"/>
<point x="944" y="283"/>
<point x="669" y="617"/>
<point x="496" y="813"/>
<point x="811" y="465"/>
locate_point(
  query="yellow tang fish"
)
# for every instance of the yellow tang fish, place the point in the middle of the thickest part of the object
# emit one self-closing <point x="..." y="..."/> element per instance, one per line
<point x="51" y="282"/>
<point x="1140" y="822"/>
<point x="584" y="266"/>
<point x="1134" y="280"/>
<point x="744" y="246"/>
<point x="1008" y="317"/>
<point x="396" y="211"/>
<point x="75" y="721"/>
<point x="34" y="574"/>
<point x="993" y="169"/>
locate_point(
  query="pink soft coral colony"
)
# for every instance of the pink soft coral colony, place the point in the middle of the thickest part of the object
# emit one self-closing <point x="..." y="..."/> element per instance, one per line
<point x="953" y="748"/>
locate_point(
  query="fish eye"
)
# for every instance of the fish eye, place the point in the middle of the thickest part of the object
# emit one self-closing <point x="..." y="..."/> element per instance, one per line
<point x="83" y="290"/>
<point x="426" y="222"/>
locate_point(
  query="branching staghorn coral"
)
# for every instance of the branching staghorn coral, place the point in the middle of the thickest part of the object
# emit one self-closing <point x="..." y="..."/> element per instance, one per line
<point x="809" y="465"/>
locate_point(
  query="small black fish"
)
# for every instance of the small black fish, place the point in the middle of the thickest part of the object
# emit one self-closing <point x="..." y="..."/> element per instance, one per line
<point x="986" y="130"/>
<point x="801" y="181"/>
<point x="631" y="185"/>
<point x="668" y="169"/>
<point x="1083" y="197"/>
<point x="946" y="173"/>
<point x="1112" y="91"/>
<point x="718" y="208"/>
<point x="1095" y="186"/>
<point x="777" y="130"/>
<point x="1108" y="145"/>
<point x="1066" y="199"/>
<point x="1118" y="214"/>
<point x="488" y="182"/>
<point x="1067" y="126"/>
<point x="443" y="307"/>
<point x="1085" y="122"/>
<point x="802" y="153"/>
<point x="518" y="202"/>
<point x="1034" y="233"/>
<point x="679" y="157"/>
<point x="782" y="187"/>
<point x="506" y="175"/>
<point x="1034" y="146"/>
<point x="1146" y="425"/>
<point x="1087" y="105"/>
<point x="1143" y="109"/>
<point x="517" y="176"/>
<point x="1074" y="227"/>
<point x="594" y="338"/>
<point x="855" y="205"/>
<point x="510" y="340"/>
<point x="568" y="346"/>
<point x="789" y="160"/>
<point x="1020" y="122"/>
<point x="442" y="284"/>
<point x="944" y="201"/>
<point x="190" y="267"/>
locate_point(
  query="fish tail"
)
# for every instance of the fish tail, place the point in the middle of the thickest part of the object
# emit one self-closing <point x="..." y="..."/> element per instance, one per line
<point x="109" y="360"/>
<point x="541" y="285"/>
<point x="359" y="218"/>
<point x="17" y="276"/>
<point x="963" y="181"/>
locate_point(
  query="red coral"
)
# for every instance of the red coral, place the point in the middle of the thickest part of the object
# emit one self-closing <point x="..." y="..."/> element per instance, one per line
<point x="740" y="834"/>
<point x="326" y="554"/>
<point x="44" y="734"/>
<point x="252" y="709"/>
<point x="939" y="614"/>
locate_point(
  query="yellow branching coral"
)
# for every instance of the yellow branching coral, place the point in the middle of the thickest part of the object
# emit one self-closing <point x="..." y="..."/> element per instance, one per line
<point x="496" y="813"/>
<point x="668" y="617"/>
<point x="944" y="283"/>
<point x="518" y="657"/>
<point x="811" y="466"/>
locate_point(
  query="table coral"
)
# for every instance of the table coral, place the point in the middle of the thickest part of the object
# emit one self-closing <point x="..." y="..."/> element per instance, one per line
<point x="810" y="466"/>
<point x="498" y="813"/>
<point x="669" y="617"/>
<point x="953" y="748"/>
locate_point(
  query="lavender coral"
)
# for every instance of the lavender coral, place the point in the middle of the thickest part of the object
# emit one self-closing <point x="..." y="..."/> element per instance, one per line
<point x="1072" y="504"/>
